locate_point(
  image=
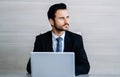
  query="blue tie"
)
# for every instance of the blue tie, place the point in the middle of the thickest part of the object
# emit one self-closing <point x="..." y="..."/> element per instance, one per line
<point x="59" y="44"/>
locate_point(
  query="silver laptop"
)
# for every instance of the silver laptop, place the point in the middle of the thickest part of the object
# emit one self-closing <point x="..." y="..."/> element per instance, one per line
<point x="52" y="64"/>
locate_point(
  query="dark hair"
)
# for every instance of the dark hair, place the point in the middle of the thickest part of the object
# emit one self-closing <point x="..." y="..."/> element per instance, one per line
<point x="52" y="10"/>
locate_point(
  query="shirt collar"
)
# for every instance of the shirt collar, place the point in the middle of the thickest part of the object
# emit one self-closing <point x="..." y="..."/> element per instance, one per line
<point x="55" y="36"/>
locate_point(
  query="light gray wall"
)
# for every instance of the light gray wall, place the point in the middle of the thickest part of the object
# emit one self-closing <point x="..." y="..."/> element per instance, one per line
<point x="97" y="20"/>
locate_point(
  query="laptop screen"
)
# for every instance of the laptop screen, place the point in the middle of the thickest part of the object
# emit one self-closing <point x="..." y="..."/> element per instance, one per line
<point x="52" y="64"/>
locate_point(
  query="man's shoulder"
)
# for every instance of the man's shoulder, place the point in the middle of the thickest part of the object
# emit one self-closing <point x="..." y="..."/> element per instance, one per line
<point x="75" y="37"/>
<point x="73" y="34"/>
<point x="44" y="35"/>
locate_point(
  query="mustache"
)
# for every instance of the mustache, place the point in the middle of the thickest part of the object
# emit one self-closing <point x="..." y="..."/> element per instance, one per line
<point x="66" y="24"/>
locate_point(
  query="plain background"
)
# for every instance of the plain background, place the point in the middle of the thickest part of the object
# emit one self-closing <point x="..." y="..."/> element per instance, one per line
<point x="97" y="20"/>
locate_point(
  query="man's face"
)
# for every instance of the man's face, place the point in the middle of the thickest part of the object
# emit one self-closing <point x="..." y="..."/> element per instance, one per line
<point x="61" y="22"/>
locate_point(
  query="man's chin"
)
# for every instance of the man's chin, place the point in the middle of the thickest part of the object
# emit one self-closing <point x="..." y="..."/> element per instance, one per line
<point x="63" y="30"/>
<point x="66" y="28"/>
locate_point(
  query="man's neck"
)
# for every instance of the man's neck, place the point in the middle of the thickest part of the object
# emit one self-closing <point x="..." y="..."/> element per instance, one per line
<point x="58" y="33"/>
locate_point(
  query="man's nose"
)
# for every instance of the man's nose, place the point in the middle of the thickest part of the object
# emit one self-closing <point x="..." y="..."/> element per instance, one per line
<point x="67" y="20"/>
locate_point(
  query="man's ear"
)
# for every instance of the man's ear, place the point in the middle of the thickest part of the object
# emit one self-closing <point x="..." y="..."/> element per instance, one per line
<point x="51" y="21"/>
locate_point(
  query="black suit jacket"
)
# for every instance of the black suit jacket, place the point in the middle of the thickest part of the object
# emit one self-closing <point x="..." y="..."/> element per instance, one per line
<point x="73" y="42"/>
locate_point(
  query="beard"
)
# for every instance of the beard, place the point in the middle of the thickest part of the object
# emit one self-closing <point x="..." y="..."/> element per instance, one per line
<point x="66" y="25"/>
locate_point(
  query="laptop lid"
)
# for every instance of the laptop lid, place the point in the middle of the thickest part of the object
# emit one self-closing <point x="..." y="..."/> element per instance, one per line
<point x="52" y="64"/>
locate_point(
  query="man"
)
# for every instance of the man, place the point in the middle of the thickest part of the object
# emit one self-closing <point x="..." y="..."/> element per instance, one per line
<point x="59" y="20"/>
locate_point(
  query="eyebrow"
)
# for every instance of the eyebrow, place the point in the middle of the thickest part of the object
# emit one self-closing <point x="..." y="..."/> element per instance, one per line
<point x="63" y="17"/>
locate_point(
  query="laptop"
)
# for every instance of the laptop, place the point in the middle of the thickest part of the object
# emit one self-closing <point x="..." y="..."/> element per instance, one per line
<point x="52" y="64"/>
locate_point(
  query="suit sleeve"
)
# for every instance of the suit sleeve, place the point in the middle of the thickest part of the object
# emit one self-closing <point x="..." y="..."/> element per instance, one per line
<point x="81" y="60"/>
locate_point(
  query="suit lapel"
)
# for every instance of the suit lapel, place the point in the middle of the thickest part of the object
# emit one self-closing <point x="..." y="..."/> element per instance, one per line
<point x="67" y="42"/>
<point x="49" y="42"/>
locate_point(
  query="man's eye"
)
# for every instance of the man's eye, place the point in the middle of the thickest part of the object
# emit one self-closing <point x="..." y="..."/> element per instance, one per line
<point x="68" y="17"/>
<point x="61" y="18"/>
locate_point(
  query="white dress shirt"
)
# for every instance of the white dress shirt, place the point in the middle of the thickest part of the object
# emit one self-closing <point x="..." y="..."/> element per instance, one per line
<point x="54" y="41"/>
